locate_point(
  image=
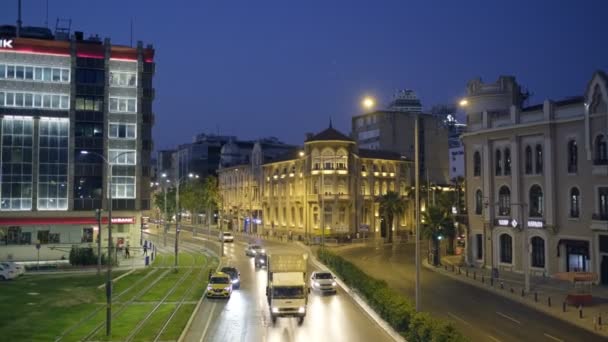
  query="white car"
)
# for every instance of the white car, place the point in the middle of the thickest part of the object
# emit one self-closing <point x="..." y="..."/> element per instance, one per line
<point x="226" y="237"/>
<point x="324" y="282"/>
<point x="253" y="250"/>
<point x="18" y="269"/>
<point x="7" y="273"/>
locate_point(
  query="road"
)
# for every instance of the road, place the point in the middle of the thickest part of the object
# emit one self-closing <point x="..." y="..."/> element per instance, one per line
<point x="245" y="316"/>
<point x="479" y="314"/>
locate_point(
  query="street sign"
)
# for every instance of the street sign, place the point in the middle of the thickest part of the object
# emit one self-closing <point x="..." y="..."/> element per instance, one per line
<point x="514" y="223"/>
<point x="38" y="246"/>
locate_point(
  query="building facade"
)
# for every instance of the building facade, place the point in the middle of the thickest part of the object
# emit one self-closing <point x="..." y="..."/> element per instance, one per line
<point x="537" y="179"/>
<point x="328" y="182"/>
<point x="64" y="104"/>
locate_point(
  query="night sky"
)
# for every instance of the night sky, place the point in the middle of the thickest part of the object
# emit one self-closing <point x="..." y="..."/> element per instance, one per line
<point x="255" y="68"/>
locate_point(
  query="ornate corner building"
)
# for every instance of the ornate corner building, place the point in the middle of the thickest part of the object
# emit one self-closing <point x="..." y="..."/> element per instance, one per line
<point x="329" y="182"/>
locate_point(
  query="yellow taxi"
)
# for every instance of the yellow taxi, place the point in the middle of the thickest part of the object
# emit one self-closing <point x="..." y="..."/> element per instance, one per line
<point x="219" y="286"/>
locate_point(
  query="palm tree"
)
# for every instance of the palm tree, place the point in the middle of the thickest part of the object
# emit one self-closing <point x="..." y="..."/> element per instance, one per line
<point x="436" y="221"/>
<point x="391" y="205"/>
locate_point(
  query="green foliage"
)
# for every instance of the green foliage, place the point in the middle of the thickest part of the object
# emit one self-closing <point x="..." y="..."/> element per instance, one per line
<point x="394" y="308"/>
<point x="85" y="256"/>
<point x="159" y="200"/>
<point x="391" y="205"/>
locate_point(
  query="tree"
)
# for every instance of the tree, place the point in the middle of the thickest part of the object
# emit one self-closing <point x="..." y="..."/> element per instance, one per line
<point x="159" y="200"/>
<point x="192" y="197"/>
<point x="436" y="221"/>
<point x="391" y="205"/>
<point x="210" y="196"/>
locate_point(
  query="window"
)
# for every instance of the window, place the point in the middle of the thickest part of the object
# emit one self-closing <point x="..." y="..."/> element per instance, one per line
<point x="603" y="203"/>
<point x="572" y="156"/>
<point x="575" y="202"/>
<point x="16" y="163"/>
<point x="601" y="154"/>
<point x="342" y="215"/>
<point x="122" y="157"/>
<point x="364" y="188"/>
<point x="122" y="130"/>
<point x="504" y="201"/>
<point x="528" y="162"/>
<point x="536" y="201"/>
<point x="539" y="159"/>
<point x="123" y="187"/>
<point x="34" y="100"/>
<point x="123" y="105"/>
<point x="327" y="218"/>
<point x="479" y="246"/>
<point x="123" y="79"/>
<point x="498" y="163"/>
<point x="507" y="162"/>
<point x="477" y="164"/>
<point x="538" y="252"/>
<point x="315" y="216"/>
<point x="89" y="103"/>
<point x="478" y="202"/>
<point x="22" y="72"/>
<point x="506" y="249"/>
<point x="53" y="164"/>
<point x="87" y="235"/>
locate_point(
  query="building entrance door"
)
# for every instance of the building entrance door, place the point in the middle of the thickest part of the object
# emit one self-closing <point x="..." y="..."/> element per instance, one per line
<point x="604" y="270"/>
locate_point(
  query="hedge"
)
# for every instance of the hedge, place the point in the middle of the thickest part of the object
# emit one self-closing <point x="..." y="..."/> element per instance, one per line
<point x="84" y="256"/>
<point x="394" y="308"/>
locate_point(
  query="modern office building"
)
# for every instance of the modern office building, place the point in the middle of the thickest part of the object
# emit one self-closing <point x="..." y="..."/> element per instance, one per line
<point x="392" y="129"/>
<point x="68" y="107"/>
<point x="328" y="182"/>
<point x="537" y="179"/>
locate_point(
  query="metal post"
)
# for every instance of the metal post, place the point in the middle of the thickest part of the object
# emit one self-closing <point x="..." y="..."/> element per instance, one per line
<point x="177" y="219"/>
<point x="109" y="274"/>
<point x="98" y="216"/>
<point x="165" y="215"/>
<point x="322" y="207"/>
<point x="221" y="226"/>
<point x="525" y="249"/>
<point x="417" y="192"/>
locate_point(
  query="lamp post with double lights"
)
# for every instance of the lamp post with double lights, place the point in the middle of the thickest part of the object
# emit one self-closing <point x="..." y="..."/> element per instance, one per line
<point x="165" y="184"/>
<point x="109" y="165"/>
<point x="178" y="211"/>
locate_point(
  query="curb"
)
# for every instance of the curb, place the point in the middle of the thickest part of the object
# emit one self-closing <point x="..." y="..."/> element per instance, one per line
<point x="505" y="294"/>
<point x="200" y="301"/>
<point x="359" y="300"/>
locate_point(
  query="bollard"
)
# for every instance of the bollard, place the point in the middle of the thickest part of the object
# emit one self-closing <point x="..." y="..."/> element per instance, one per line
<point x="599" y="319"/>
<point x="445" y="267"/>
<point x="535" y="297"/>
<point x="492" y="281"/>
<point x="475" y="275"/>
<point x="523" y="293"/>
<point x="467" y="273"/>
<point x="459" y="270"/>
<point x="563" y="306"/>
<point x="512" y="291"/>
<point x="502" y="285"/>
<point x="453" y="268"/>
<point x="580" y="311"/>
<point x="482" y="279"/>
<point x="549" y="301"/>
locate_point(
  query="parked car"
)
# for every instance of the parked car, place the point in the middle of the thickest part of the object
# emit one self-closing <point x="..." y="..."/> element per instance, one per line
<point x="234" y="274"/>
<point x="7" y="273"/>
<point x="226" y="237"/>
<point x="253" y="250"/>
<point x="18" y="269"/>
<point x="220" y="285"/>
<point x="261" y="260"/>
<point x="323" y="281"/>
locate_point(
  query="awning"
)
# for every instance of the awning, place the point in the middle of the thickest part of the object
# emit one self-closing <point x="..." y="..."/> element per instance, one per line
<point x="45" y="221"/>
<point x="575" y="246"/>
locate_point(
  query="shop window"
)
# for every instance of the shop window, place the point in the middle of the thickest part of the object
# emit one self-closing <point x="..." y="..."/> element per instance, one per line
<point x="506" y="249"/>
<point x="538" y="252"/>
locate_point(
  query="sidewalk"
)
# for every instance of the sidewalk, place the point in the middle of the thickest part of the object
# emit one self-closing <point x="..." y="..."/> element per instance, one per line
<point x="546" y="294"/>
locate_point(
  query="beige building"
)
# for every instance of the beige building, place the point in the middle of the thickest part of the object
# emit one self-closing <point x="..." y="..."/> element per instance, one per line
<point x="329" y="181"/>
<point x="537" y="179"/>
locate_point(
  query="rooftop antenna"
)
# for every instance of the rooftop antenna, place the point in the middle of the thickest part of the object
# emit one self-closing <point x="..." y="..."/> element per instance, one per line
<point x="18" y="18"/>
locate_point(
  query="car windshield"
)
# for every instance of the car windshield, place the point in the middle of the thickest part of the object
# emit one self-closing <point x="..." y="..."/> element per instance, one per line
<point x="324" y="276"/>
<point x="219" y="280"/>
<point x="288" y="292"/>
<point x="255" y="247"/>
<point x="227" y="234"/>
<point x="230" y="271"/>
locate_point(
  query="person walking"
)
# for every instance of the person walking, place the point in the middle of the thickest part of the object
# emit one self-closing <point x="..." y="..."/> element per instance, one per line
<point x="145" y="249"/>
<point x="127" y="253"/>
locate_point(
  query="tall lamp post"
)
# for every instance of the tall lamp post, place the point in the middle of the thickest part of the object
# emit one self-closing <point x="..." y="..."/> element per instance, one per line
<point x="178" y="217"/>
<point x="109" y="273"/>
<point x="417" y="193"/>
<point x="165" y="184"/>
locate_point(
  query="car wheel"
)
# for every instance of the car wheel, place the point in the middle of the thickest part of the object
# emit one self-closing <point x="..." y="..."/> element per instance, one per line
<point x="274" y="319"/>
<point x="300" y="320"/>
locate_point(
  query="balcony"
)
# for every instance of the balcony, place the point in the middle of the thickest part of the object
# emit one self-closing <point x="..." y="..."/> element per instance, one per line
<point x="599" y="221"/>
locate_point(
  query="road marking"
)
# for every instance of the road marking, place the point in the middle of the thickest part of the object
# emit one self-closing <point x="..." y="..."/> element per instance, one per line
<point x="508" y="317"/>
<point x="494" y="338"/>
<point x="553" y="337"/>
<point x="208" y="322"/>
<point x="458" y="318"/>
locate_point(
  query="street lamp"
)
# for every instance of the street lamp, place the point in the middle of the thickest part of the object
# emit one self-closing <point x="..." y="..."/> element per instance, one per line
<point x="463" y="103"/>
<point x="368" y="102"/>
<point x="109" y="274"/>
<point x="178" y="212"/>
<point x="165" y="184"/>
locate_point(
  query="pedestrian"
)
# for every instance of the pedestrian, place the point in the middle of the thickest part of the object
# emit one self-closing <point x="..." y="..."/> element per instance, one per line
<point x="210" y="274"/>
<point x="127" y="253"/>
<point x="145" y="249"/>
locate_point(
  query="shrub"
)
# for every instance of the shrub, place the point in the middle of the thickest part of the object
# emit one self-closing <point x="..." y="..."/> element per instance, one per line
<point x="394" y="308"/>
<point x="85" y="256"/>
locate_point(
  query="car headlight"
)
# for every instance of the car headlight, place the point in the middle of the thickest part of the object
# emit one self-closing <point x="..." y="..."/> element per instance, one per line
<point x="275" y="310"/>
<point x="301" y="309"/>
<point x="234" y="281"/>
<point x="316" y="283"/>
<point x="254" y="252"/>
<point x="208" y="287"/>
<point x="262" y="251"/>
<point x="262" y="261"/>
<point x="333" y="283"/>
<point x="227" y="288"/>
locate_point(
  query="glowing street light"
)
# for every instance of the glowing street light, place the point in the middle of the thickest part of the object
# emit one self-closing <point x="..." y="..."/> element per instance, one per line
<point x="368" y="103"/>
<point x="463" y="103"/>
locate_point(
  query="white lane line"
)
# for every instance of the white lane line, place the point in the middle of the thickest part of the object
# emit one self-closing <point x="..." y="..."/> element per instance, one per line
<point x="494" y="338"/>
<point x="553" y="337"/>
<point x="508" y="317"/>
<point x="458" y="318"/>
<point x="208" y="322"/>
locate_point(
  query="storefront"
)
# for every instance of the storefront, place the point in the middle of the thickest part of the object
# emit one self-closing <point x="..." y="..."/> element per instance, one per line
<point x="575" y="255"/>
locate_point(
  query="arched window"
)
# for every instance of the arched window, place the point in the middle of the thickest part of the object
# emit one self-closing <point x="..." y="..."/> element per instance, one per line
<point x="538" y="252"/>
<point x="341" y="159"/>
<point x="364" y="188"/>
<point x="506" y="249"/>
<point x="575" y="202"/>
<point x="536" y="201"/>
<point x="504" y="201"/>
<point x="498" y="163"/>
<point x="601" y="154"/>
<point x="477" y="164"/>
<point x="507" y="161"/>
<point x="528" y="162"/>
<point x="478" y="202"/>
<point x="572" y="156"/>
<point x="376" y="188"/>
<point x="342" y="187"/>
<point x="539" y="159"/>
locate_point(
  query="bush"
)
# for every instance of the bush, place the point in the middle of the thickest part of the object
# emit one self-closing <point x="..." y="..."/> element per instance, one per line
<point x="85" y="256"/>
<point x="394" y="308"/>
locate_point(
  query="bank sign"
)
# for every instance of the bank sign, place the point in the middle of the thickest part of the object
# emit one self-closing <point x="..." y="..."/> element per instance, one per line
<point x="6" y="43"/>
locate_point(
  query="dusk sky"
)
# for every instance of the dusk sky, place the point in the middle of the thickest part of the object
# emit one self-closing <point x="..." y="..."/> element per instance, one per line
<point x="283" y="68"/>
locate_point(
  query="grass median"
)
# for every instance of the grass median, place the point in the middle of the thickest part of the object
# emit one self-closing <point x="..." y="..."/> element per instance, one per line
<point x="71" y="306"/>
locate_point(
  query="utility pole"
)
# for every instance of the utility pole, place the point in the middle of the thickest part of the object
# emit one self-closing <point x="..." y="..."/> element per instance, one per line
<point x="322" y="207"/>
<point x="98" y="217"/>
<point x="417" y="192"/>
<point x="109" y="274"/>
